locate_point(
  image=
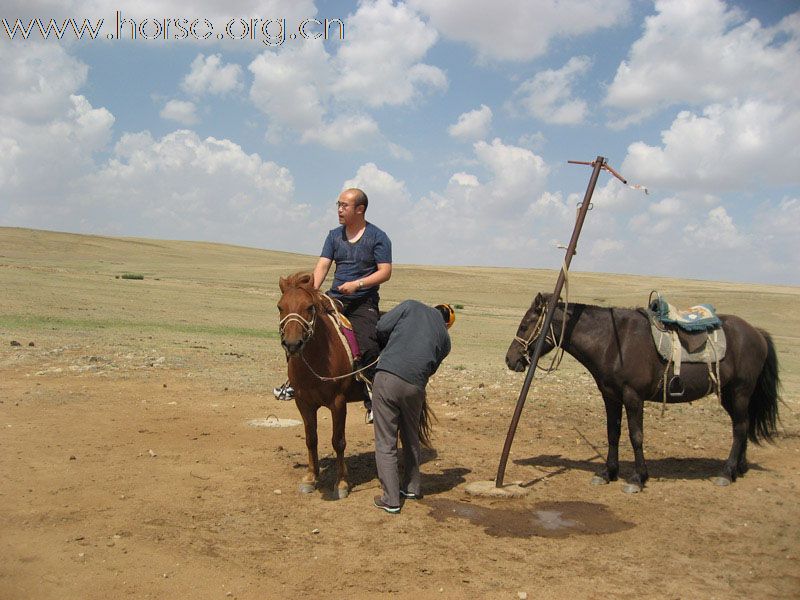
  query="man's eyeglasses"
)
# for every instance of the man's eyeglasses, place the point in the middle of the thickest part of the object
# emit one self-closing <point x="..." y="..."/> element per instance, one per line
<point x="343" y="205"/>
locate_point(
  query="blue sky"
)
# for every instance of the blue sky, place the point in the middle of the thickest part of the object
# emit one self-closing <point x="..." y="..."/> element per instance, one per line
<point x="456" y="117"/>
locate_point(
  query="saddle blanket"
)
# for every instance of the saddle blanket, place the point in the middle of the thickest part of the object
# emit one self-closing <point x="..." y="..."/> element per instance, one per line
<point x="345" y="330"/>
<point x="697" y="318"/>
<point x="709" y="350"/>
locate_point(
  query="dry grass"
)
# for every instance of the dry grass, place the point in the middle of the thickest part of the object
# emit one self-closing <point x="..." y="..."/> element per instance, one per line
<point x="64" y="285"/>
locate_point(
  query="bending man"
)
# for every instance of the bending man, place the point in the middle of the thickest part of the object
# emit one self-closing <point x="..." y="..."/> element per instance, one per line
<point x="415" y="341"/>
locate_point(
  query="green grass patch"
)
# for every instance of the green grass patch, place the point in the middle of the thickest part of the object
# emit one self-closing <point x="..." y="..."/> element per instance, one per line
<point x="131" y="276"/>
<point x="43" y="322"/>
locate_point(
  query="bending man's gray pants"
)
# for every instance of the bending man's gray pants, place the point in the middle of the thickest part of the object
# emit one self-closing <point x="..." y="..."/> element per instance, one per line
<point x="396" y="404"/>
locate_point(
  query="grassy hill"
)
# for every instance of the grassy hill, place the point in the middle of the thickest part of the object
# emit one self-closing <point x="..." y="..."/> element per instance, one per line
<point x="60" y="288"/>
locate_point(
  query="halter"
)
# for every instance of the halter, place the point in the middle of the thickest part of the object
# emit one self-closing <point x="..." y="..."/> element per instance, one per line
<point x="308" y="326"/>
<point x="551" y="337"/>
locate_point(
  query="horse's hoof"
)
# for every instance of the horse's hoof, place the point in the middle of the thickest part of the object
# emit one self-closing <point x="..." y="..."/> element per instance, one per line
<point x="631" y="488"/>
<point x="599" y="480"/>
<point x="306" y="488"/>
<point x="341" y="493"/>
<point x="721" y="481"/>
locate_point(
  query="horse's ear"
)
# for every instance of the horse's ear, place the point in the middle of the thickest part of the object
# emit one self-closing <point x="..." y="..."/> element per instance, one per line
<point x="306" y="279"/>
<point x="539" y="301"/>
<point x="283" y="283"/>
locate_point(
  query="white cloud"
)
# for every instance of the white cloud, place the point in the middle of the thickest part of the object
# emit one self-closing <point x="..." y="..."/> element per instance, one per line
<point x="290" y="86"/>
<point x="615" y="196"/>
<point x="604" y="246"/>
<point x="532" y="141"/>
<point x="467" y="222"/>
<point x="473" y="125"/>
<point x="702" y="51"/>
<point x="731" y="146"/>
<point x="181" y="111"/>
<point x="668" y="207"/>
<point x="233" y="196"/>
<point x="399" y="152"/>
<point x="549" y="95"/>
<point x="379" y="61"/>
<point x="517" y="174"/>
<point x="718" y="230"/>
<point x="37" y="80"/>
<point x="303" y="89"/>
<point x="346" y="132"/>
<point x="209" y="76"/>
<point x="42" y="160"/>
<point x="512" y="30"/>
<point x="465" y="179"/>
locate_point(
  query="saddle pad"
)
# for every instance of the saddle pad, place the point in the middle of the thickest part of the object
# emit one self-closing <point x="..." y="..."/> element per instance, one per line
<point x="711" y="351"/>
<point x="344" y="337"/>
<point x="345" y="330"/>
<point x="697" y="318"/>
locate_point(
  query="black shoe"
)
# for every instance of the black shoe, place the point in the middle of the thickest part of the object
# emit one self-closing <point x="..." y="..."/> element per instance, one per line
<point x="410" y="495"/>
<point x="379" y="503"/>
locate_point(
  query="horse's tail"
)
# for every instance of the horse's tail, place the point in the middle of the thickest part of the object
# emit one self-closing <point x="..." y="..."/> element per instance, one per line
<point x="763" y="407"/>
<point x="426" y="419"/>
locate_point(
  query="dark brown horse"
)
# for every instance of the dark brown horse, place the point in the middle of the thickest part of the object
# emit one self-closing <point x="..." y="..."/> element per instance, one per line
<point x="616" y="346"/>
<point x="319" y="367"/>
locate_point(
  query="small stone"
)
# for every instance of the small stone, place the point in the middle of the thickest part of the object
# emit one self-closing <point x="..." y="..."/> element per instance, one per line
<point x="522" y="595"/>
<point x="31" y="345"/>
<point x="72" y="457"/>
<point x="151" y="453"/>
<point x="15" y="343"/>
<point x="315" y="531"/>
<point x="277" y="492"/>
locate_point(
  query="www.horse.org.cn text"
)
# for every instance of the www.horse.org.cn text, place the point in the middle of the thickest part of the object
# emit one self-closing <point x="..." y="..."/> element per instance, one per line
<point x="270" y="32"/>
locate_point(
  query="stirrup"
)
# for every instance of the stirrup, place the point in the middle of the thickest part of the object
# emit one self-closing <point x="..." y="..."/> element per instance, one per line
<point x="675" y="387"/>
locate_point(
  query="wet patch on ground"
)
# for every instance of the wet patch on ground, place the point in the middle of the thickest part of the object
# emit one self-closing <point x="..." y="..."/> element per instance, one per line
<point x="544" y="519"/>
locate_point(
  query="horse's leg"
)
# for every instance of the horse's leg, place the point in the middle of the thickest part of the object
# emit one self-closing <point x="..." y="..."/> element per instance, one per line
<point x="341" y="489"/>
<point x="634" y="410"/>
<point x="309" y="414"/>
<point x="613" y="429"/>
<point x="735" y="402"/>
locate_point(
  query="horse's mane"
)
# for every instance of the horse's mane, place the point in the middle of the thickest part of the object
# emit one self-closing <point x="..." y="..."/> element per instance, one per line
<point x="304" y="280"/>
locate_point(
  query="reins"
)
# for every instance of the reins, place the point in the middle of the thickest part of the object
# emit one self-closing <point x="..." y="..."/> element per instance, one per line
<point x="308" y="333"/>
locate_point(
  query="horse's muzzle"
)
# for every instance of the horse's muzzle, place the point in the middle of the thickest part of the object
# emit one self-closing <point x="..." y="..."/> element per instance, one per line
<point x="516" y="363"/>
<point x="292" y="348"/>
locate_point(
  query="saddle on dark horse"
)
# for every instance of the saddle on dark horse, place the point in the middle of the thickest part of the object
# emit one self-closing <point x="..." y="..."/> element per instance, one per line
<point x="694" y="335"/>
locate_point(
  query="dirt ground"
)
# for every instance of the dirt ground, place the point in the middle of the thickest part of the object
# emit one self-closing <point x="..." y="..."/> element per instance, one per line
<point x="130" y="471"/>
<point x="129" y="467"/>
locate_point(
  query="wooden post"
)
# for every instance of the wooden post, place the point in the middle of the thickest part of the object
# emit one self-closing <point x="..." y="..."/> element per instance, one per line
<point x="598" y="164"/>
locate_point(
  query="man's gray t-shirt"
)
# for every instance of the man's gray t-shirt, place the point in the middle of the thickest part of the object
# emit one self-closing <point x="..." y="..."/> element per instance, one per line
<point x="415" y="341"/>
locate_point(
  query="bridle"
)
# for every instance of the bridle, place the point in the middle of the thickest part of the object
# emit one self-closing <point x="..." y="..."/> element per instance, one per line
<point x="550" y="337"/>
<point x="305" y="324"/>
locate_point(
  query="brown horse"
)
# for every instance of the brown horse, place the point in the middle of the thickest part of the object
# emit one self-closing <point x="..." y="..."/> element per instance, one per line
<point x="319" y="371"/>
<point x="616" y="346"/>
